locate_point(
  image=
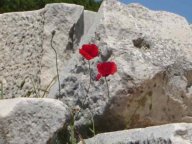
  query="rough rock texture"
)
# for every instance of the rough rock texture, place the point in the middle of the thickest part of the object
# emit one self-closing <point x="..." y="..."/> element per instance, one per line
<point x="21" y="37"/>
<point x="27" y="61"/>
<point x="30" y="120"/>
<point x="67" y="20"/>
<point x="89" y="18"/>
<point x="153" y="85"/>
<point x="180" y="133"/>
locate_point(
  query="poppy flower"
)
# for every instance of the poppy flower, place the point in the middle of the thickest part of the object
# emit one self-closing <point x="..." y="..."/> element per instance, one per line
<point x="89" y="51"/>
<point x="105" y="69"/>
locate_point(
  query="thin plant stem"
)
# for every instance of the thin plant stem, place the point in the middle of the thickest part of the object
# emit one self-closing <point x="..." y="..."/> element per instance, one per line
<point x="89" y="79"/>
<point x="89" y="82"/>
<point x="48" y="86"/>
<point x="1" y="89"/>
<point x="53" y="33"/>
<point x="93" y="125"/>
<point x="35" y="89"/>
<point x="72" y="126"/>
<point x="107" y="87"/>
<point x="150" y="106"/>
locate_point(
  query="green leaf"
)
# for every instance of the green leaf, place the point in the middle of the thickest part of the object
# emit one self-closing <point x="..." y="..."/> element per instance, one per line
<point x="22" y="84"/>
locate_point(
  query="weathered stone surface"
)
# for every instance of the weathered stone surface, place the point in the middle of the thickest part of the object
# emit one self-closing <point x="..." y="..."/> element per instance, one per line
<point x="67" y="21"/>
<point x="21" y="37"/>
<point x="180" y="133"/>
<point x="89" y="18"/>
<point x="27" y="61"/>
<point x="153" y="53"/>
<point x="30" y="120"/>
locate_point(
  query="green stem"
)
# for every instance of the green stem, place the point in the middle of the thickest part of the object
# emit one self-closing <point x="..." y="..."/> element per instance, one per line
<point x="1" y="90"/>
<point x="89" y="79"/>
<point x="107" y="87"/>
<point x="93" y="125"/>
<point x="72" y="125"/>
<point x="89" y="82"/>
<point x="35" y="89"/>
<point x="56" y="63"/>
<point x="150" y="106"/>
<point x="48" y="86"/>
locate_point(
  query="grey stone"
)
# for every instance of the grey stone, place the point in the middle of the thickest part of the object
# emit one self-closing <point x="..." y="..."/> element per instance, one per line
<point x="152" y="50"/>
<point x="27" y="61"/>
<point x="31" y="120"/>
<point x="179" y="133"/>
<point x="89" y="18"/>
<point x="67" y="21"/>
<point x="21" y="42"/>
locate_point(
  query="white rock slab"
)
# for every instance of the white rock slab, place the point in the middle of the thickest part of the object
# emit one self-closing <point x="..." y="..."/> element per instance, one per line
<point x="30" y="120"/>
<point x="179" y="133"/>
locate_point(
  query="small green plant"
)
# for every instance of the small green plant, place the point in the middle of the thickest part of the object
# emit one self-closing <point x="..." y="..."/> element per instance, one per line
<point x="74" y="134"/>
<point x="93" y="126"/>
<point x="36" y="89"/>
<point x="73" y="140"/>
<point x="1" y="90"/>
<point x="89" y="52"/>
<point x="48" y="87"/>
<point x="57" y="69"/>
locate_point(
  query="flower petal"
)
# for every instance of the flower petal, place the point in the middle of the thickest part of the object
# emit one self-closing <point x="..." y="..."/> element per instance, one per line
<point x="102" y="68"/>
<point x="106" y="68"/>
<point x="98" y="76"/>
<point x="89" y="51"/>
<point x="85" y="54"/>
<point x="113" y="68"/>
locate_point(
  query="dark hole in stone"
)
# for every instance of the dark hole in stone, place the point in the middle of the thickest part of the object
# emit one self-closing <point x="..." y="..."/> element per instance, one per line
<point x="150" y="93"/>
<point x="141" y="91"/>
<point x="118" y="105"/>
<point x="75" y="87"/>
<point x="182" y="96"/>
<point x="150" y="106"/>
<point x="154" y="85"/>
<point x="130" y="91"/>
<point x="95" y="99"/>
<point x="62" y="85"/>
<point x="140" y="42"/>
<point x="70" y="93"/>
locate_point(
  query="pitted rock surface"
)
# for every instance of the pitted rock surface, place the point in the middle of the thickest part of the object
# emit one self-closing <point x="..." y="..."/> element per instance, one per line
<point x="179" y="133"/>
<point x="152" y="50"/>
<point x="31" y="120"/>
<point x="27" y="61"/>
<point x="21" y="42"/>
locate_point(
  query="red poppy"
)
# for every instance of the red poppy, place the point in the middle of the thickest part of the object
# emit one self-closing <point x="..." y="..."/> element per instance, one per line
<point x="98" y="76"/>
<point x="89" y="51"/>
<point x="105" y="69"/>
